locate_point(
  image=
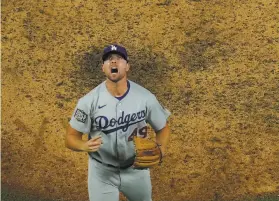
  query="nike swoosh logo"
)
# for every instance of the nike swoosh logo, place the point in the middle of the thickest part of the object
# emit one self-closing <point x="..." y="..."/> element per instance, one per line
<point x="99" y="107"/>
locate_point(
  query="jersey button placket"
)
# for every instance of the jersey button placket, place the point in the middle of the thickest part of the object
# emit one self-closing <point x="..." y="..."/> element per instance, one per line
<point x="120" y="145"/>
<point x="119" y="106"/>
<point x="117" y="132"/>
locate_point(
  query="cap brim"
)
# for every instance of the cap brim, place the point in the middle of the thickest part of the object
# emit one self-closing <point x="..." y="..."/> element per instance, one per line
<point x="113" y="52"/>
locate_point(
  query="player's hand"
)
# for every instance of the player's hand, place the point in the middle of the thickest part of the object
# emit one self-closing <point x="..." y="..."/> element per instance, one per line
<point x="93" y="144"/>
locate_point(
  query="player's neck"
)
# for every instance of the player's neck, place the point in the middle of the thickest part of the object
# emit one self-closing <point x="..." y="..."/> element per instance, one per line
<point x="117" y="89"/>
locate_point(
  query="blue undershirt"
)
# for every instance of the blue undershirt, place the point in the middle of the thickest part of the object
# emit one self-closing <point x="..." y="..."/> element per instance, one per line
<point x="121" y="97"/>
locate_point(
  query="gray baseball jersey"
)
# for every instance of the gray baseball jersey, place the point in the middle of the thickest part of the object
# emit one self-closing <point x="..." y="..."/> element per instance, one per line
<point x="117" y="121"/>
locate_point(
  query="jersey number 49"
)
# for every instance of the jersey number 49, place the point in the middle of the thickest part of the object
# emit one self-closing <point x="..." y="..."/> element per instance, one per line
<point x="142" y="133"/>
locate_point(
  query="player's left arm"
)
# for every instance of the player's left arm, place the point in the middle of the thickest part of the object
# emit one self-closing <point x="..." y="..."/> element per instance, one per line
<point x="162" y="138"/>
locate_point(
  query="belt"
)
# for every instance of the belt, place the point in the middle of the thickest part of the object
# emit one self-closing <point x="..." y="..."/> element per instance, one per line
<point x="109" y="165"/>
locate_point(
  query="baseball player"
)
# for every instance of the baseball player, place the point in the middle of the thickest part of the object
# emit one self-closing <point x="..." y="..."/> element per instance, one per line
<point x="113" y="114"/>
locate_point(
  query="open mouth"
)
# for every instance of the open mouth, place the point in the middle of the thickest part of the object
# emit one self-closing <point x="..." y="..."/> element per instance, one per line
<point x="114" y="70"/>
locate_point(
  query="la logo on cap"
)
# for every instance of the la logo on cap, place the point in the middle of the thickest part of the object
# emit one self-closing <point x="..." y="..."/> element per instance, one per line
<point x="113" y="47"/>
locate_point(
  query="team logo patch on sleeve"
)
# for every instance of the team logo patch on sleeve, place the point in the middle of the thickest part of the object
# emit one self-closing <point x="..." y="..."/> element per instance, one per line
<point x="80" y="115"/>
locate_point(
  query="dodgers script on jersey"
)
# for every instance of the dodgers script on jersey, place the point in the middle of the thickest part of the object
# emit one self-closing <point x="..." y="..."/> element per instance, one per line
<point x="117" y="121"/>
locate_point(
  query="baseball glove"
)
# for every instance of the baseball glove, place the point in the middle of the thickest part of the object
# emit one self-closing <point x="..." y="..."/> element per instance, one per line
<point x="147" y="153"/>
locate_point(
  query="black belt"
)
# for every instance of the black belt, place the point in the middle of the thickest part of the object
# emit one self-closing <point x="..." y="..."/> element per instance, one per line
<point x="109" y="165"/>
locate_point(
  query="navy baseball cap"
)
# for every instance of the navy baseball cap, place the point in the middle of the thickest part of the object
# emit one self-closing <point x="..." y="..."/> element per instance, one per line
<point x="117" y="49"/>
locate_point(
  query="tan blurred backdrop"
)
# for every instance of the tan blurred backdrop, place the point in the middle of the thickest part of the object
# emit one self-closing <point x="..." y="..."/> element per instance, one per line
<point x="213" y="64"/>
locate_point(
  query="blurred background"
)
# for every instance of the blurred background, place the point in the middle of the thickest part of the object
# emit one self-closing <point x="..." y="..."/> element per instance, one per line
<point x="213" y="64"/>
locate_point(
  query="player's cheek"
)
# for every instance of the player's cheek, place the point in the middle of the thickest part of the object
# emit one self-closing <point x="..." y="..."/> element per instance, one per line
<point x="105" y="68"/>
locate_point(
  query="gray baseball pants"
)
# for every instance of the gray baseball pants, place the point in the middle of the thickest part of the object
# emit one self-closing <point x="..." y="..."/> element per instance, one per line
<point x="105" y="183"/>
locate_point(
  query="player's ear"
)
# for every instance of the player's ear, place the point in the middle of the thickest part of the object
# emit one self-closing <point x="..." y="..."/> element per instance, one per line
<point x="127" y="67"/>
<point x="103" y="68"/>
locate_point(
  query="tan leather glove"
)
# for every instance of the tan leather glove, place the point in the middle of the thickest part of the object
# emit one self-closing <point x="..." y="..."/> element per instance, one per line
<point x="148" y="153"/>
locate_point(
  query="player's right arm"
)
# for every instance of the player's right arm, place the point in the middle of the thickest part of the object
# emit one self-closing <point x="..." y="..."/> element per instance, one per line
<point x="75" y="142"/>
<point x="79" y="124"/>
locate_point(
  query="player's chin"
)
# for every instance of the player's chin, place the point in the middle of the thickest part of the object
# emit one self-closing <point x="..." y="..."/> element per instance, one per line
<point x="115" y="78"/>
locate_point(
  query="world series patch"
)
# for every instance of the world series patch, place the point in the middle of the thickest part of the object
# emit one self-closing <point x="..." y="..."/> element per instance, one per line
<point x="80" y="115"/>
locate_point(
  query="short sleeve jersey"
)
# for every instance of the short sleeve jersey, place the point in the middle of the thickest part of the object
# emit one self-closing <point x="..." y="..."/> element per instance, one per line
<point x="117" y="121"/>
